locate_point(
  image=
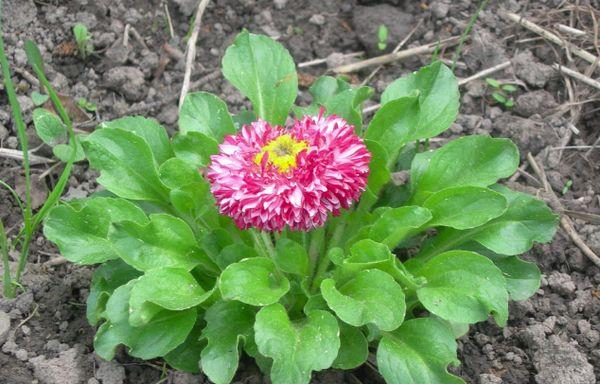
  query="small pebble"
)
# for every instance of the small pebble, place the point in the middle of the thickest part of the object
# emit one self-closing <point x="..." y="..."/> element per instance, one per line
<point x="63" y="326"/>
<point x="21" y="354"/>
<point x="317" y="19"/>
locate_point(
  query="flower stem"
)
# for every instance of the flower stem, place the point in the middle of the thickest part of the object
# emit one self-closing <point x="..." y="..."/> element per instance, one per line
<point x="322" y="266"/>
<point x="258" y="243"/>
<point x="268" y="243"/>
<point x="315" y="251"/>
<point x="336" y="237"/>
<point x="263" y="243"/>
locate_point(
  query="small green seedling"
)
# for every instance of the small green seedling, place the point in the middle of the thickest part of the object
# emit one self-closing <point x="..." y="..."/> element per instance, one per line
<point x="87" y="105"/>
<point x="83" y="38"/>
<point x="502" y="92"/>
<point x="382" y="36"/>
<point x="567" y="186"/>
<point x="38" y="98"/>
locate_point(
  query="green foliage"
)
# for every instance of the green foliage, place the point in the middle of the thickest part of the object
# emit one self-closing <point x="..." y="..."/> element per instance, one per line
<point x="83" y="39"/>
<point x="338" y="98"/>
<point x="87" y="105"/>
<point x="38" y="98"/>
<point x="264" y="71"/>
<point x="177" y="280"/>
<point x="382" y="37"/>
<point x="501" y="93"/>
<point x="52" y="129"/>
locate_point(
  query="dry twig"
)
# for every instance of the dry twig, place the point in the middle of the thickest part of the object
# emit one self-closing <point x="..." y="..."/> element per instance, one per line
<point x="17" y="154"/>
<point x="322" y="61"/>
<point x="578" y="76"/>
<point x="169" y="21"/>
<point x="565" y="221"/>
<point x="485" y="72"/>
<point x="391" y="57"/>
<point x="550" y="36"/>
<point x="191" y="50"/>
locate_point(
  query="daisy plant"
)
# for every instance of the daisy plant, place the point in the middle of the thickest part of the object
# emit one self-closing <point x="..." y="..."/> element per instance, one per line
<point x="306" y="243"/>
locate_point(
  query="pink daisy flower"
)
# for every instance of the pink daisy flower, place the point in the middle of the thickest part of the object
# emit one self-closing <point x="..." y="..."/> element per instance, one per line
<point x="272" y="177"/>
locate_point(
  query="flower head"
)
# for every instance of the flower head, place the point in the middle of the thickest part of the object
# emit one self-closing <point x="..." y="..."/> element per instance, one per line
<point x="270" y="177"/>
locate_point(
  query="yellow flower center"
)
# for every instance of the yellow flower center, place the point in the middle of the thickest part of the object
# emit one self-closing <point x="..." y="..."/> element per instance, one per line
<point x="282" y="152"/>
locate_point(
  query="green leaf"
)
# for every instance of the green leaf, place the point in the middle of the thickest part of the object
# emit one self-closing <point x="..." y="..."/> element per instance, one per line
<point x="176" y="173"/>
<point x="367" y="254"/>
<point x="169" y="288"/>
<point x="509" y="88"/>
<point x="337" y="97"/>
<point x="195" y="201"/>
<point x="253" y="281"/>
<point x="205" y="113"/>
<point x="38" y="98"/>
<point x="379" y="174"/>
<point x="194" y="148"/>
<point x="63" y="151"/>
<point x="117" y="209"/>
<point x="372" y="296"/>
<point x="394" y="125"/>
<point x="326" y="87"/>
<point x="417" y="353"/>
<point x="161" y="335"/>
<point x="468" y="161"/>
<point x="150" y="130"/>
<point x="81" y="236"/>
<point x="291" y="257"/>
<point x="438" y="97"/>
<point x="186" y="357"/>
<point x="244" y="117"/>
<point x="522" y="277"/>
<point x="464" y="207"/>
<point x="297" y="348"/>
<point x="499" y="98"/>
<point x="227" y="324"/>
<point x="126" y="163"/>
<point x="165" y="241"/>
<point x="263" y="70"/>
<point x="234" y="253"/>
<point x="396" y="224"/>
<point x="525" y="221"/>
<point x="492" y="82"/>
<point x="106" y="278"/>
<point x="463" y="287"/>
<point x="347" y="104"/>
<point x="49" y="127"/>
<point x="382" y="34"/>
<point x="354" y="348"/>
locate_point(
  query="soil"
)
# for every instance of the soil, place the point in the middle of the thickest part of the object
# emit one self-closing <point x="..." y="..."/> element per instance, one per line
<point x="551" y="338"/>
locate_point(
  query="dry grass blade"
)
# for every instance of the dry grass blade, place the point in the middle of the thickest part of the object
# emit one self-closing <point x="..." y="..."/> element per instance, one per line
<point x="191" y="50"/>
<point x="589" y="217"/>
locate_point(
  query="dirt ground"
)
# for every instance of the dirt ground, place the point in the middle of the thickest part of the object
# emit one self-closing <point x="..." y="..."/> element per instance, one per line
<point x="552" y="338"/>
